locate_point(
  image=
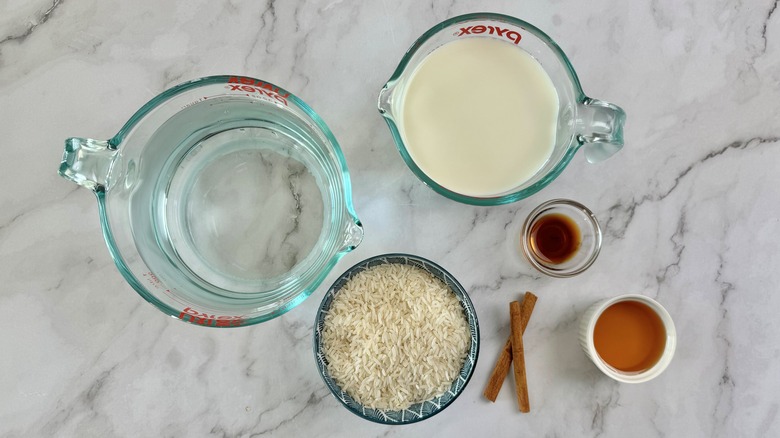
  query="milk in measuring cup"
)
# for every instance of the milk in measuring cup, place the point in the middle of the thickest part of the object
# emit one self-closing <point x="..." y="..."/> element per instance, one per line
<point x="479" y="116"/>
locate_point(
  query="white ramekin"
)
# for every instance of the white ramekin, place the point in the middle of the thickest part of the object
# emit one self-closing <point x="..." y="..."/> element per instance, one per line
<point x="588" y="324"/>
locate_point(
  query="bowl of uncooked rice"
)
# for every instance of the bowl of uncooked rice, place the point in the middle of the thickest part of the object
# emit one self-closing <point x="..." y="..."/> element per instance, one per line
<point x="396" y="339"/>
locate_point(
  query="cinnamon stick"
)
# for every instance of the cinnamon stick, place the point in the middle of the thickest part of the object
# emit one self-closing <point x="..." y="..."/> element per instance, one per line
<point x="501" y="369"/>
<point x="518" y="357"/>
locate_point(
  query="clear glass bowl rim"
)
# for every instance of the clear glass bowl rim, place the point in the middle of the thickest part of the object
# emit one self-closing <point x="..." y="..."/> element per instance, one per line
<point x="591" y="218"/>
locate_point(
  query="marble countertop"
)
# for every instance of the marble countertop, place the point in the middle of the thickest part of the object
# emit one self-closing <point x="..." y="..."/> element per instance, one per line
<point x="690" y="210"/>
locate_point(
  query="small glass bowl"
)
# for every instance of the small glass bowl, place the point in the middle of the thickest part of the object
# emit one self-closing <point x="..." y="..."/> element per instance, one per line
<point x="590" y="238"/>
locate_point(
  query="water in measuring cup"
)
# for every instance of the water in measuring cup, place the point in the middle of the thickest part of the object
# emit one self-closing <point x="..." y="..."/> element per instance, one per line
<point x="239" y="203"/>
<point x="479" y="116"/>
<point x="248" y="208"/>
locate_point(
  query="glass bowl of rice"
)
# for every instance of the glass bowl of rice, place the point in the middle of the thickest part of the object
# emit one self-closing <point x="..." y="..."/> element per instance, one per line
<point x="396" y="339"/>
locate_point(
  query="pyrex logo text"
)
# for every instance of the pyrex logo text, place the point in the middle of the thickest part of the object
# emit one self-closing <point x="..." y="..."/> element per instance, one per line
<point x="196" y="317"/>
<point x="249" y="85"/>
<point x="512" y="35"/>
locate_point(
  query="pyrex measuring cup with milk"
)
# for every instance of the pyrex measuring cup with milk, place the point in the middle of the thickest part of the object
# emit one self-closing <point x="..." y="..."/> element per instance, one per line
<point x="486" y="109"/>
<point x="224" y="201"/>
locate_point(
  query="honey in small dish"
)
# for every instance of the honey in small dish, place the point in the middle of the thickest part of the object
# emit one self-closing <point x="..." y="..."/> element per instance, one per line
<point x="554" y="238"/>
<point x="629" y="336"/>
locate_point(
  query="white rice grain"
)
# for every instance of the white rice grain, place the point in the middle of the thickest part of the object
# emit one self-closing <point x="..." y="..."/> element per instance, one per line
<point x="395" y="335"/>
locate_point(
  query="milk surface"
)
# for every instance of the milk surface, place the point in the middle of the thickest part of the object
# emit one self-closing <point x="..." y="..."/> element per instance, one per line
<point x="479" y="116"/>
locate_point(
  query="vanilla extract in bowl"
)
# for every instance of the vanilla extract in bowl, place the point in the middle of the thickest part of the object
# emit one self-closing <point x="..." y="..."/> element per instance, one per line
<point x="555" y="238"/>
<point x="561" y="238"/>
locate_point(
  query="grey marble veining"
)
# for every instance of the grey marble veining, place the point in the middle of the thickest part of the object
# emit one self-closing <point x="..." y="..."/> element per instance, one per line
<point x="689" y="209"/>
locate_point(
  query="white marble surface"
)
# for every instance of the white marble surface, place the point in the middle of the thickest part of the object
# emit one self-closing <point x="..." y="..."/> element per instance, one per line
<point x="690" y="210"/>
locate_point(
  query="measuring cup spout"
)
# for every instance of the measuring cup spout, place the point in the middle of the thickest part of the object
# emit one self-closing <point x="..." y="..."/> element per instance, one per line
<point x="385" y="101"/>
<point x="600" y="127"/>
<point x="354" y="235"/>
<point x="87" y="162"/>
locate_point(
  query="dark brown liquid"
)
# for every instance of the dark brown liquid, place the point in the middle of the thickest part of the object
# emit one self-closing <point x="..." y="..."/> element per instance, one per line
<point x="630" y="336"/>
<point x="554" y="238"/>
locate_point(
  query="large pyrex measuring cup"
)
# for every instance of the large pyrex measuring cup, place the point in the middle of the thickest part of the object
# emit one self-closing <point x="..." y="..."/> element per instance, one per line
<point x="224" y="201"/>
<point x="582" y="121"/>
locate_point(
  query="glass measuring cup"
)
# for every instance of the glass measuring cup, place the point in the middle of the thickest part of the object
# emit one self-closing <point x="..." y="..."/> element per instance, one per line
<point x="582" y="121"/>
<point x="224" y="201"/>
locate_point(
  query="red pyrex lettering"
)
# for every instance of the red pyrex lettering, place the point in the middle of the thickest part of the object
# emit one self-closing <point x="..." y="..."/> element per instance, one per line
<point x="249" y="85"/>
<point x="195" y="317"/>
<point x="512" y="35"/>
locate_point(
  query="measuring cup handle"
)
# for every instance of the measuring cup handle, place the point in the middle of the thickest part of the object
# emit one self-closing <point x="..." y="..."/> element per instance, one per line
<point x="600" y="128"/>
<point x="87" y="162"/>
